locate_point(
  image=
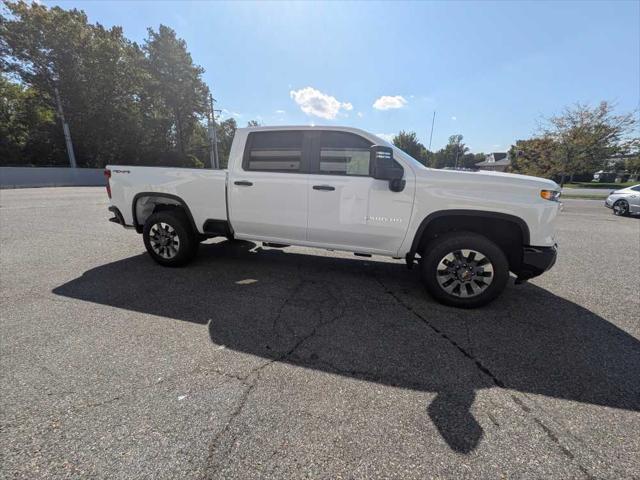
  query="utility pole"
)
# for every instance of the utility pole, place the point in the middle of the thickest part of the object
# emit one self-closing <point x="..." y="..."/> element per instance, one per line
<point x="214" y="159"/>
<point x="433" y="120"/>
<point x="65" y="129"/>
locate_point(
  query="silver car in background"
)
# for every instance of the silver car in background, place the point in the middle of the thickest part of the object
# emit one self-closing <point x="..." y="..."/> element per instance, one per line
<point x="624" y="201"/>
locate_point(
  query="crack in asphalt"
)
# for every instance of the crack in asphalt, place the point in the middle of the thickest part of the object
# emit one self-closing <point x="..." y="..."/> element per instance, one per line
<point x="253" y="377"/>
<point x="479" y="365"/>
<point x="497" y="381"/>
<point x="278" y="317"/>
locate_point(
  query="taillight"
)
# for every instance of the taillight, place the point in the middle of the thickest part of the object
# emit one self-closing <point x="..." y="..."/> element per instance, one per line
<point x="107" y="176"/>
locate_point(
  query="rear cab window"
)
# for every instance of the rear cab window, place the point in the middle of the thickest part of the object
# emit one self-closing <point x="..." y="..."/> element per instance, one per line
<point x="277" y="151"/>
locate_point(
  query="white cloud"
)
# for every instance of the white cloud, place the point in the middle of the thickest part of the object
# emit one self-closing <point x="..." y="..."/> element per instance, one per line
<point x="228" y="113"/>
<point x="314" y="102"/>
<point x="454" y="118"/>
<point x="360" y="114"/>
<point x="386" y="136"/>
<point x="387" y="102"/>
<point x="280" y="112"/>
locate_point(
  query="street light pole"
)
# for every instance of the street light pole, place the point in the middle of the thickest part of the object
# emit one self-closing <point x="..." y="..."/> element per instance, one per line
<point x="433" y="120"/>
<point x="214" y="159"/>
<point x="65" y="129"/>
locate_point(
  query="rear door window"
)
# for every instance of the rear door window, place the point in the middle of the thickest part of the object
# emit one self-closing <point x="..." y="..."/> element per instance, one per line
<point x="278" y="151"/>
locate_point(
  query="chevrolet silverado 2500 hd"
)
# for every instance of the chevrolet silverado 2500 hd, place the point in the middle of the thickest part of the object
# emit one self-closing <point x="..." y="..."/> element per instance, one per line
<point x="345" y="189"/>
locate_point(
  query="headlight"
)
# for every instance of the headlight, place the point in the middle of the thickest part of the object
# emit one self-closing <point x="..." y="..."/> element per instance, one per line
<point x="553" y="195"/>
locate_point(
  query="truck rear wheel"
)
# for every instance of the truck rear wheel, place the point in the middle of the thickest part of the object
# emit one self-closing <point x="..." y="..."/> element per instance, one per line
<point x="464" y="269"/>
<point x="169" y="238"/>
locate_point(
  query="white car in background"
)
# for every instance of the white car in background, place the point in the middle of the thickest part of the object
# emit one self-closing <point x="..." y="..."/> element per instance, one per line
<point x="624" y="201"/>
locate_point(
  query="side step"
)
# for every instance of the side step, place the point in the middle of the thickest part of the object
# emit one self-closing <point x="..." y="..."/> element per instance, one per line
<point x="275" y="245"/>
<point x="216" y="228"/>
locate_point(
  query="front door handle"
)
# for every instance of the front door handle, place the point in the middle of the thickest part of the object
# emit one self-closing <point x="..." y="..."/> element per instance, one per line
<point x="327" y="188"/>
<point x="243" y="183"/>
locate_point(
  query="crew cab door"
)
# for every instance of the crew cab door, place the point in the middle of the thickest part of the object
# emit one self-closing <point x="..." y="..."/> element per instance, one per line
<point x="348" y="208"/>
<point x="268" y="191"/>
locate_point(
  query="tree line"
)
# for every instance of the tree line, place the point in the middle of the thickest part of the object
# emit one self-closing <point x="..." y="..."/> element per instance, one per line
<point x="147" y="104"/>
<point x="126" y="102"/>
<point x="576" y="143"/>
<point x="454" y="155"/>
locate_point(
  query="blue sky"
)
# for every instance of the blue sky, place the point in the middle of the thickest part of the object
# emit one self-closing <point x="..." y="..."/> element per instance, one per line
<point x="490" y="70"/>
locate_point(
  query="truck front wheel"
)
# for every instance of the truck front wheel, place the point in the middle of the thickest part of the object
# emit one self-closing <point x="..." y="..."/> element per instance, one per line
<point x="464" y="269"/>
<point x="169" y="238"/>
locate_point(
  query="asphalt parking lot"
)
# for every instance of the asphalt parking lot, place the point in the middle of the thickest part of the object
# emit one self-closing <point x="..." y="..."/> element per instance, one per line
<point x="295" y="363"/>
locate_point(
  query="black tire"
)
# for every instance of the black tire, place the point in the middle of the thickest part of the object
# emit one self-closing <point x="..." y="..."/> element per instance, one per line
<point x="170" y="224"/>
<point x="444" y="255"/>
<point x="621" y="208"/>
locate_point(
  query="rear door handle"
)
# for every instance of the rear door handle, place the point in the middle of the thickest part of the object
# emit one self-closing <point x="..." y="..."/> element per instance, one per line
<point x="327" y="188"/>
<point x="244" y="183"/>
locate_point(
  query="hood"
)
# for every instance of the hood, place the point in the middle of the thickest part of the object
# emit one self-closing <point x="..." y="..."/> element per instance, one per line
<point x="486" y="176"/>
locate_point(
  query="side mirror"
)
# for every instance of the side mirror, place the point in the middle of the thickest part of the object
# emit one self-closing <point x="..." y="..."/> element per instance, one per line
<point x="384" y="167"/>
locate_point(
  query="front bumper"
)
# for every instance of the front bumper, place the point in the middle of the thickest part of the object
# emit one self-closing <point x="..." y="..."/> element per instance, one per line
<point x="536" y="261"/>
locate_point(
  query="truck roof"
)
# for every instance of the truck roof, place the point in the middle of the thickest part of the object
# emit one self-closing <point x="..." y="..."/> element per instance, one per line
<point x="307" y="127"/>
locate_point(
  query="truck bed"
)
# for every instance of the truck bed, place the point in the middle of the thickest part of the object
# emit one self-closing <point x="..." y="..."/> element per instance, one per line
<point x="202" y="189"/>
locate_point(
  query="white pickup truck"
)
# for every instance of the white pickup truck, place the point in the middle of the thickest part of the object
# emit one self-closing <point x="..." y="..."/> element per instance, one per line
<point x="341" y="188"/>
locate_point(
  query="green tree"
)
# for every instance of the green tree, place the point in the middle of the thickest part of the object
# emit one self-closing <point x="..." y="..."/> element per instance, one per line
<point x="123" y="102"/>
<point x="632" y="164"/>
<point x="454" y="154"/>
<point x="177" y="84"/>
<point x="586" y="137"/>
<point x="536" y="156"/>
<point x="408" y="143"/>
<point x="93" y="69"/>
<point x="225" y="132"/>
<point x="27" y="127"/>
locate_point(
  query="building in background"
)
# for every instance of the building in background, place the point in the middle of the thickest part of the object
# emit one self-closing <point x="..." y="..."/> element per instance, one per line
<point x="496" y="161"/>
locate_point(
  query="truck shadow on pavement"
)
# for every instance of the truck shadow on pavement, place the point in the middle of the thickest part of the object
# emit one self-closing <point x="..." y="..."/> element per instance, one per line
<point x="372" y="321"/>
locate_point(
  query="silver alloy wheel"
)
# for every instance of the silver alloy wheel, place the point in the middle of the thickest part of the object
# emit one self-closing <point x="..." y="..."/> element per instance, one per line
<point x="464" y="273"/>
<point x="164" y="240"/>
<point x="620" y="207"/>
